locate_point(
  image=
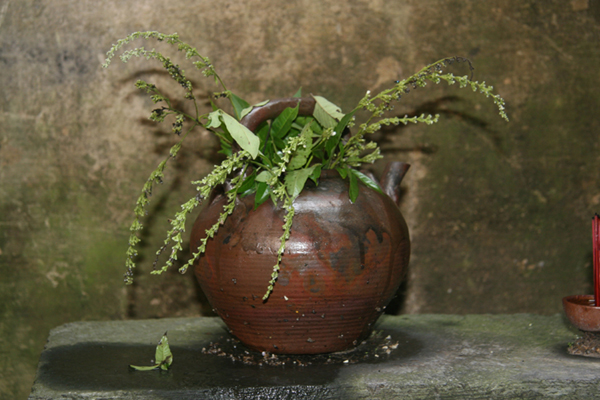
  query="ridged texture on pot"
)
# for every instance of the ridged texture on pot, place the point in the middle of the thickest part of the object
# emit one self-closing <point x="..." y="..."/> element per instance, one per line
<point x="342" y="265"/>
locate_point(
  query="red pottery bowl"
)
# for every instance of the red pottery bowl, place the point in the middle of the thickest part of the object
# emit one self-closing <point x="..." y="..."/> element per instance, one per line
<point x="582" y="312"/>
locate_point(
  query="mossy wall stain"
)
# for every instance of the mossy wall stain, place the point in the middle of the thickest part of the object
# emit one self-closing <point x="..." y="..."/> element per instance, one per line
<point x="499" y="213"/>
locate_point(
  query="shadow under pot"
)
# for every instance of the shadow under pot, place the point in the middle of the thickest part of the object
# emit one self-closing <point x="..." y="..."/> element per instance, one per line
<point x="343" y="261"/>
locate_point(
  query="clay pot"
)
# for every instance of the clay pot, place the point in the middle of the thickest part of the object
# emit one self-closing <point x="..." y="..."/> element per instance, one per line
<point x="582" y="312"/>
<point x="342" y="265"/>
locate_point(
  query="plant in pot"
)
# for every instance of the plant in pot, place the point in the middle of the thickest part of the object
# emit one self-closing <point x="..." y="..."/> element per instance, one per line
<point x="297" y="248"/>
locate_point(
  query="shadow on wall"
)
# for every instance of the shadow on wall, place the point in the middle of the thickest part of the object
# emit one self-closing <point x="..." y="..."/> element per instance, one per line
<point x="499" y="213"/>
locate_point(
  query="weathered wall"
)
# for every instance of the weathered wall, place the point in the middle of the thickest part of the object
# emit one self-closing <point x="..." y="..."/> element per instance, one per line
<point x="499" y="212"/>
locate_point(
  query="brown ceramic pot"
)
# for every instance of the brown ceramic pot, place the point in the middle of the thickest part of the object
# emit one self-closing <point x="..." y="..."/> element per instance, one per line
<point x="342" y="265"/>
<point x="582" y="312"/>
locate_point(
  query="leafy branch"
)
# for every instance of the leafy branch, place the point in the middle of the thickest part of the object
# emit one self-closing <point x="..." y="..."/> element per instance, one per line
<point x="276" y="160"/>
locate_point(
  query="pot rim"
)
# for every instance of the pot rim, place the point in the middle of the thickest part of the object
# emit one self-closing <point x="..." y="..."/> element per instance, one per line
<point x="571" y="300"/>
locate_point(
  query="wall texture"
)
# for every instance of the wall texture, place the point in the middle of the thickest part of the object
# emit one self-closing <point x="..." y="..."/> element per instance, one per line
<point x="499" y="212"/>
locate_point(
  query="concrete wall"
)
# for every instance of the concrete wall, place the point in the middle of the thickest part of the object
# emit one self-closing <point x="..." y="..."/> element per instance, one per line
<point x="499" y="213"/>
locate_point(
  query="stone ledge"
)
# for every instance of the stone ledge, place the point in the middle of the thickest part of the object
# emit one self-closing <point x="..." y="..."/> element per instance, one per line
<point x="438" y="356"/>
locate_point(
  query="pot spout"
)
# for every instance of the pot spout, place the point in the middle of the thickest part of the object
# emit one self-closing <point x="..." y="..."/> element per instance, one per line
<point x="391" y="178"/>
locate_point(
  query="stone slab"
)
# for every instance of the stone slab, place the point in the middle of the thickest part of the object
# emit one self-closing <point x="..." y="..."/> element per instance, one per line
<point x="430" y="357"/>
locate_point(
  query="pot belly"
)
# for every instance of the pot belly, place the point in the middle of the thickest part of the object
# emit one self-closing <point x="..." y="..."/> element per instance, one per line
<point x="342" y="265"/>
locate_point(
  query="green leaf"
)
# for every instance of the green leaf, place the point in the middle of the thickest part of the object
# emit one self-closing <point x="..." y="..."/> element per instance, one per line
<point x="248" y="186"/>
<point x="162" y="357"/>
<point x="238" y="104"/>
<point x="323" y="118"/>
<point x="327" y="113"/>
<point x="343" y="172"/>
<point x="263" y="192"/>
<point x="316" y="127"/>
<point x="353" y="190"/>
<point x="330" y="108"/>
<point x="333" y="141"/>
<point x="301" y="121"/>
<point x="301" y="155"/>
<point x="266" y="156"/>
<point x="368" y="182"/>
<point x="247" y="110"/>
<point x="225" y="148"/>
<point x="163" y="353"/>
<point x="282" y="124"/>
<point x="299" y="159"/>
<point x="166" y="363"/>
<point x="264" y="176"/>
<point x="295" y="180"/>
<point x="316" y="173"/>
<point x="298" y="93"/>
<point x="242" y="135"/>
<point x="263" y="134"/>
<point x="213" y="120"/>
<point x="140" y="368"/>
<point x="279" y="143"/>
